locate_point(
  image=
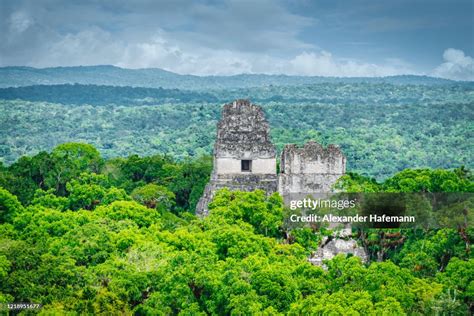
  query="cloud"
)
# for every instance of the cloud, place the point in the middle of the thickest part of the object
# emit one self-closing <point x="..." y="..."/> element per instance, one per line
<point x="163" y="49"/>
<point x="456" y="66"/>
<point x="90" y="46"/>
<point x="200" y="38"/>
<point x="325" y="64"/>
<point x="237" y="25"/>
<point x="96" y="46"/>
<point x="19" y="22"/>
<point x="197" y="38"/>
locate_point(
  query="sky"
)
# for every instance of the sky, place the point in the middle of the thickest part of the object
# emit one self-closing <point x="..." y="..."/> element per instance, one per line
<point x="300" y="37"/>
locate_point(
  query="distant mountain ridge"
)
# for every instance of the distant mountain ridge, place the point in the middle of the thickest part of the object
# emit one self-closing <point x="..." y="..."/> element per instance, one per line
<point x="155" y="78"/>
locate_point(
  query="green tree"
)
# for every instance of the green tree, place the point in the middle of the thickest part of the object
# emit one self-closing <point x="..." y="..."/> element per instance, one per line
<point x="90" y="190"/>
<point x="154" y="196"/>
<point x="9" y="205"/>
<point x="69" y="161"/>
<point x="264" y="213"/>
<point x="50" y="200"/>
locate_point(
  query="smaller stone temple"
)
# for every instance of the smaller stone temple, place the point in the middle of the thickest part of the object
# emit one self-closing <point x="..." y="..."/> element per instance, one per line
<point x="311" y="168"/>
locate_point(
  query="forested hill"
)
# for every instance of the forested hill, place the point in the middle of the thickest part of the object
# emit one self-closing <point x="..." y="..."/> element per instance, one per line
<point x="103" y="95"/>
<point x="154" y="78"/>
<point x="381" y="127"/>
<point x="327" y="93"/>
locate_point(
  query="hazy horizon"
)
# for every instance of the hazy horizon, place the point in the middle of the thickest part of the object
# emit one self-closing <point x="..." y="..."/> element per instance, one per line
<point x="363" y="38"/>
<point x="236" y="74"/>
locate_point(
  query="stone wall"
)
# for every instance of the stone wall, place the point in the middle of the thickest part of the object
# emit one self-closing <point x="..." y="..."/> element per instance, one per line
<point x="233" y="166"/>
<point x="310" y="169"/>
<point x="330" y="247"/>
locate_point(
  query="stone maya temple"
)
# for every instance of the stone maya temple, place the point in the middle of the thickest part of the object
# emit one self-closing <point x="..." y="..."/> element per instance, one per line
<point x="245" y="159"/>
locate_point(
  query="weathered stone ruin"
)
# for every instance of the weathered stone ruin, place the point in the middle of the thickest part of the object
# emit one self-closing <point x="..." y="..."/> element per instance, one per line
<point x="245" y="160"/>
<point x="340" y="242"/>
<point x="244" y="156"/>
<point x="311" y="168"/>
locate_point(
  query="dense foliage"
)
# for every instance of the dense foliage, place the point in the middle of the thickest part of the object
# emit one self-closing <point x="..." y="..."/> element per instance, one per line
<point x="103" y="95"/>
<point x="382" y="128"/>
<point x="89" y="229"/>
<point x="66" y="171"/>
<point x="97" y="236"/>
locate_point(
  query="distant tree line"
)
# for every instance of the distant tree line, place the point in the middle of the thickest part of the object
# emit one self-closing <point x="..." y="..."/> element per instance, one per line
<point x="381" y="128"/>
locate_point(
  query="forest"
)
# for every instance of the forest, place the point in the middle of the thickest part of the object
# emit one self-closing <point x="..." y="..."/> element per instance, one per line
<point x="382" y="128"/>
<point x="82" y="234"/>
<point x="101" y="169"/>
